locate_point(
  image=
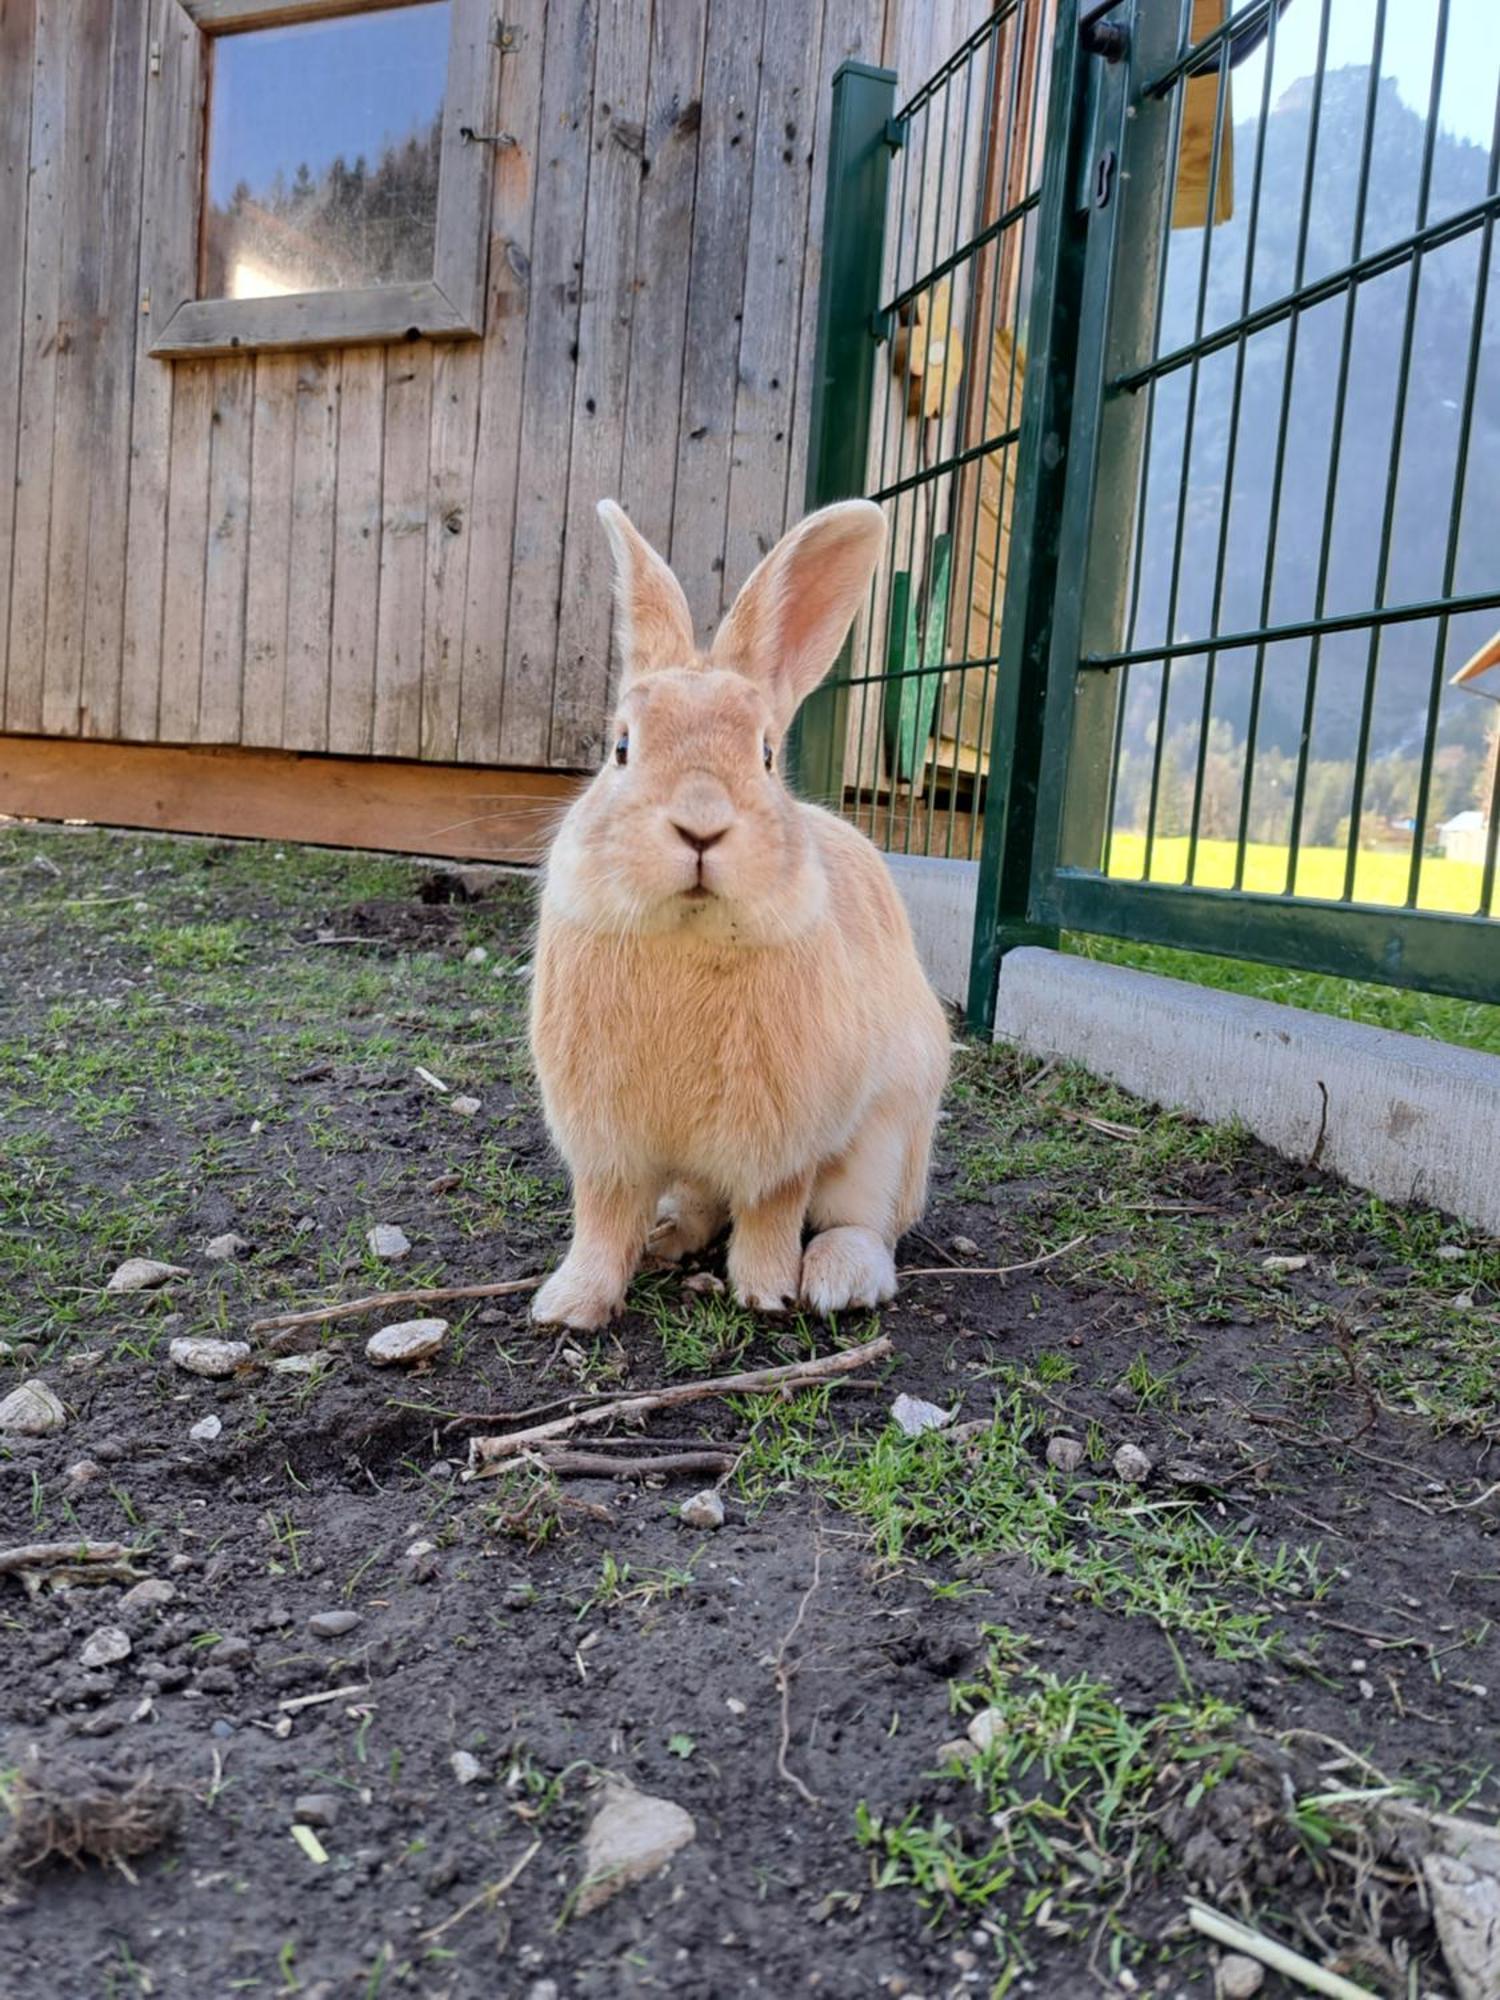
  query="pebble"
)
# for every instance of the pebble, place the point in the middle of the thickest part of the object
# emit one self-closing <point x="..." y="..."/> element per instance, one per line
<point x="630" y="1837"/>
<point x="466" y="1768"/>
<point x="963" y="1246"/>
<point x="409" y="1340"/>
<point x="232" y="1651"/>
<point x="704" y="1282"/>
<point x="105" y="1647"/>
<point x="387" y="1241"/>
<point x="221" y="1249"/>
<point x="143" y="1274"/>
<point x="299" y="1364"/>
<point x="32" y="1411"/>
<point x="466" y="1107"/>
<point x="1132" y="1464"/>
<point x="704" y="1510"/>
<point x="958" y="1750"/>
<point x="316" y="1808"/>
<point x="214" y="1358"/>
<point x="333" y="1624"/>
<point x="150" y="1595"/>
<point x="83" y="1471"/>
<point x="206" y="1429"/>
<point x="1284" y="1264"/>
<point x="1451" y="1253"/>
<point x="984" y="1727"/>
<point x="1064" y="1454"/>
<point x="542" y="1989"/>
<point x="913" y="1416"/>
<point x="1240" y="1978"/>
<point x="476" y="955"/>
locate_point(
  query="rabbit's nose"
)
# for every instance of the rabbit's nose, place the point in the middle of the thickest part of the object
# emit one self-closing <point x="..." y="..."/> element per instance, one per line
<point x="700" y="842"/>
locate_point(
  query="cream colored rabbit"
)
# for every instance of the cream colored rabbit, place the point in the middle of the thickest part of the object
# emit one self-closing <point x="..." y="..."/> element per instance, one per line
<point x="728" y="1016"/>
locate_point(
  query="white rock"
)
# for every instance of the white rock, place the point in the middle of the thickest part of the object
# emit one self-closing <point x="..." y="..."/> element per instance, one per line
<point x="206" y="1429"/>
<point x="148" y="1596"/>
<point x="914" y="1416"/>
<point x="1462" y="1302"/>
<point x="209" y="1357"/>
<point x="963" y="1246"/>
<point x="143" y="1274"/>
<point x="298" y="1364"/>
<point x="409" y="1340"/>
<point x="106" y="1646"/>
<point x="704" y="1510"/>
<point x="32" y="1411"/>
<point x="1284" y="1264"/>
<point x="1131" y="1463"/>
<point x="220" y="1249"/>
<point x="465" y="1768"/>
<point x="735" y="1705"/>
<point x="476" y="955"/>
<point x="630" y="1837"/>
<point x="1240" y="1978"/>
<point x="466" y="1107"/>
<point x="389" y="1242"/>
<point x="1451" y="1253"/>
<point x="956" y="1751"/>
<point x="704" y="1282"/>
<point x="1064" y="1454"/>
<point x="984" y="1727"/>
<point x="83" y="1472"/>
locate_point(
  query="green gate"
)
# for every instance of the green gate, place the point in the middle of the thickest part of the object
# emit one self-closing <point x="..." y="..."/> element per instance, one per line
<point x="1169" y="335"/>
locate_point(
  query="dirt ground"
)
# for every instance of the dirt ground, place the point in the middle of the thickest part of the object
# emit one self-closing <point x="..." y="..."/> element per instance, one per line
<point x="1177" y="1680"/>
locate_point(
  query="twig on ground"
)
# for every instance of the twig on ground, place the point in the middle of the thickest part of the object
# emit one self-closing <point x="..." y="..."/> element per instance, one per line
<point x="379" y="1301"/>
<point x="600" y="1465"/>
<point x="1235" y="1936"/>
<point x="487" y="1453"/>
<point x="487" y="1897"/>
<point x="784" y="1675"/>
<point x="994" y="1271"/>
<point x="46" y="1555"/>
<point x="294" y="1703"/>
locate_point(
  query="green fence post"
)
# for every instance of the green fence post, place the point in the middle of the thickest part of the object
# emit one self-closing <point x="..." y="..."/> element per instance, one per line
<point x="1002" y="916"/>
<point x="860" y="142"/>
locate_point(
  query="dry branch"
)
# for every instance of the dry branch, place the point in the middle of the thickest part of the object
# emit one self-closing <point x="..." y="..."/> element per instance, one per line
<point x="600" y="1465"/>
<point x="784" y="1675"/>
<point x="430" y="1295"/>
<point x="993" y="1271"/>
<point x="486" y="1454"/>
<point x="1235" y="1936"/>
<point x="48" y="1555"/>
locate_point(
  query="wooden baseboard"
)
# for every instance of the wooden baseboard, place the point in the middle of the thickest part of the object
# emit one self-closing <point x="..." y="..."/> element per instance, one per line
<point x="462" y="810"/>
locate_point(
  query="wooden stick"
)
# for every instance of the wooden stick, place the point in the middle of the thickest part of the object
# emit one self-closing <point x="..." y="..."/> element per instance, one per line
<point x="379" y="1301"/>
<point x="784" y="1684"/>
<point x="486" y="1454"/>
<point x="42" y="1555"/>
<point x="1239" y="1937"/>
<point x="599" y="1465"/>
<point x="995" y="1271"/>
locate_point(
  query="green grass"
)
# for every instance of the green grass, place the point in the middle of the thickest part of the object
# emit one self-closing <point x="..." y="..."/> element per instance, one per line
<point x="1381" y="876"/>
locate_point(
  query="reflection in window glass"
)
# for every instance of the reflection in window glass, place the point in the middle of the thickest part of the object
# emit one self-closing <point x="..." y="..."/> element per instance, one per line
<point x="323" y="145"/>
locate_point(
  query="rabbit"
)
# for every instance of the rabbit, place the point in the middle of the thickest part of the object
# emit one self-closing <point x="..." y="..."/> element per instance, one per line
<point x="728" y="1018"/>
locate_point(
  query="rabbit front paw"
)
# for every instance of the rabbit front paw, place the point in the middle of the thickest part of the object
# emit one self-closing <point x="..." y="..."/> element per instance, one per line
<point x="574" y="1298"/>
<point x="763" y="1284"/>
<point x="847" y="1267"/>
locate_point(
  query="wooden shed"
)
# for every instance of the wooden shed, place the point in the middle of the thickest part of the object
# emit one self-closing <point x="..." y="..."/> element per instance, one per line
<point x="325" y="324"/>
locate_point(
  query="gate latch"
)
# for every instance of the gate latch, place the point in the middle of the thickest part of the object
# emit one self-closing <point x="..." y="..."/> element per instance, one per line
<point x="1104" y="178"/>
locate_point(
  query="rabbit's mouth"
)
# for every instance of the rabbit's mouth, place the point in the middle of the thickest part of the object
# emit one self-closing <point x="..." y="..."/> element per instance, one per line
<point x="698" y="893"/>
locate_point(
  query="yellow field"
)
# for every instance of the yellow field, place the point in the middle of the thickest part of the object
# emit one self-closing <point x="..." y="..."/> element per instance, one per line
<point x="1380" y="878"/>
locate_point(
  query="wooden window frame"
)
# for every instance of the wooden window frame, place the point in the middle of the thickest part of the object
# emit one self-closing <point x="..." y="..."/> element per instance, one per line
<point x="448" y="305"/>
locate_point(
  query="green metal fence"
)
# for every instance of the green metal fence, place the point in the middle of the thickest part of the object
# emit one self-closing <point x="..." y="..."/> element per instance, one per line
<point x="1169" y="334"/>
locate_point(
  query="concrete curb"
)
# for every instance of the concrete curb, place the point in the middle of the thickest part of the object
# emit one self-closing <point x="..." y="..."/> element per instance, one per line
<point x="940" y="898"/>
<point x="1411" y="1120"/>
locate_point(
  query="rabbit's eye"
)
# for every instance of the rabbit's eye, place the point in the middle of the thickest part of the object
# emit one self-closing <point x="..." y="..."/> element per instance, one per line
<point x="768" y="753"/>
<point x="622" y="749"/>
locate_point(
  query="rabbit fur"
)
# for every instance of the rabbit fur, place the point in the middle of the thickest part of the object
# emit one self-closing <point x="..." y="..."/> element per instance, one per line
<point x="729" y="1020"/>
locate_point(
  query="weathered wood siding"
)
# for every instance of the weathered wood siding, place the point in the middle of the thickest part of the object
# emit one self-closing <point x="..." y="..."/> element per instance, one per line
<point x="392" y="551"/>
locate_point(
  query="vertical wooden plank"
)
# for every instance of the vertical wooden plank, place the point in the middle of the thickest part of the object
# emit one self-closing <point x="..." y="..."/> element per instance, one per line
<point x="309" y="617"/>
<point x="273" y="435"/>
<point x="118" y="308"/>
<point x="663" y="248"/>
<point x="721" y="228"/>
<point x="581" y="678"/>
<point x="169" y="181"/>
<point x="492" y="509"/>
<point x="356" y="551"/>
<point x="403" y="551"/>
<point x="221" y="685"/>
<point x="187" y="547"/>
<point x="557" y="254"/>
<point x="455" y="413"/>
<point x="38" y="379"/>
<point x="76" y="345"/>
<point x="785" y="123"/>
<point x="17" y="33"/>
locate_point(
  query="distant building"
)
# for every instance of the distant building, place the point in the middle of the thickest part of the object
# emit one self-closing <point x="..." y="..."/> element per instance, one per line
<point x="1464" y="837"/>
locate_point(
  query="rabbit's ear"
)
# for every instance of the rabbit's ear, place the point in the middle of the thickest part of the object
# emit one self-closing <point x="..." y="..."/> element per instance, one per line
<point x="790" y="619"/>
<point x="654" y="624"/>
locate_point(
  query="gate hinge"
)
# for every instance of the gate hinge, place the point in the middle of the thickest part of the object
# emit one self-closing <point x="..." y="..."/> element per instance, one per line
<point x="880" y="327"/>
<point x="155" y="59"/>
<point x="1099" y="37"/>
<point x="895" y="133"/>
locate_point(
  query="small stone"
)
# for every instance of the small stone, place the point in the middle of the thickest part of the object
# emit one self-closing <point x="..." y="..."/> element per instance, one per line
<point x="957" y="1750"/>
<point x="1451" y="1253"/>
<point x="519" y="1596"/>
<point x="704" y="1510"/>
<point x="1284" y="1264"/>
<point x="143" y="1274"/>
<point x="148" y="1596"/>
<point x="1131" y="1464"/>
<point x="83" y="1471"/>
<point x="984" y="1727"/>
<point x="963" y="1246"/>
<point x="206" y="1429"/>
<point x="333" y="1624"/>
<point x="466" y="1768"/>
<point x="223" y="1249"/>
<point x="466" y="1107"/>
<point x="542" y="1989"/>
<point x="1240" y="1978"/>
<point x="1462" y="1302"/>
<point x="913" y="1416"/>
<point x="1064" y="1454"/>
<point x="214" y="1358"/>
<point x="32" y="1411"/>
<point x="476" y="955"/>
<point x="105" y="1647"/>
<point x="389" y="1242"/>
<point x="316" y="1808"/>
<point x="408" y="1341"/>
<point x="630" y="1837"/>
<point x="735" y="1705"/>
<point x="232" y="1651"/>
<point x="179" y="1562"/>
<point x="706" y="1283"/>
<point x="299" y="1364"/>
